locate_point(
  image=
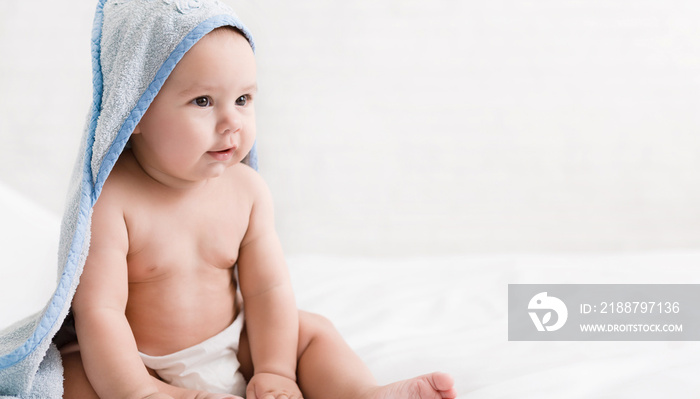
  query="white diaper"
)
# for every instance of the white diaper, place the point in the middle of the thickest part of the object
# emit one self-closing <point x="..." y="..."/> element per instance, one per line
<point x="210" y="366"/>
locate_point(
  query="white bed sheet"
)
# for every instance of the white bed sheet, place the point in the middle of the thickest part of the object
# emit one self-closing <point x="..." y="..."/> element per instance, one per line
<point x="407" y="317"/>
<point x="413" y="316"/>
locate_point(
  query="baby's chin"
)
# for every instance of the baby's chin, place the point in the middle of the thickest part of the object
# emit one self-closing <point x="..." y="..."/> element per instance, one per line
<point x="218" y="169"/>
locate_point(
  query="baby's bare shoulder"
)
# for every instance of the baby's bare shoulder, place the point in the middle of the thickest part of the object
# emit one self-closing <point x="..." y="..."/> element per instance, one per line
<point x="125" y="189"/>
<point x="249" y="180"/>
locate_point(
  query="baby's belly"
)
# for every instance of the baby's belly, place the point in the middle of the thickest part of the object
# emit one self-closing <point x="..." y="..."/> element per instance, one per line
<point x="169" y="315"/>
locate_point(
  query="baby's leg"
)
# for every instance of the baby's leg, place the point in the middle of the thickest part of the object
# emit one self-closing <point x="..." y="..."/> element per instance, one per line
<point x="76" y="384"/>
<point x="329" y="368"/>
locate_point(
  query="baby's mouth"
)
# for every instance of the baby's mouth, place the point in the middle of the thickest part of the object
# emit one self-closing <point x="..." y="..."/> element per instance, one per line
<point x="222" y="154"/>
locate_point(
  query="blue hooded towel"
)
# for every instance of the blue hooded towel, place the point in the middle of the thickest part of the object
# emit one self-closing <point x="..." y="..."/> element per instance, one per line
<point x="135" y="46"/>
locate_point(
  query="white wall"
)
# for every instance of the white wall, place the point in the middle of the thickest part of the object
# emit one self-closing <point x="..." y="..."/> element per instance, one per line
<point x="423" y="127"/>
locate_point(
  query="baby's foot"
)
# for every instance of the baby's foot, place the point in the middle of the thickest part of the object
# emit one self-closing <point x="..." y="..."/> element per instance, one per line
<point x="429" y="386"/>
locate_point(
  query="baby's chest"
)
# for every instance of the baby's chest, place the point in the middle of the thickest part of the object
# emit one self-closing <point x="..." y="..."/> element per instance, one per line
<point x="167" y="241"/>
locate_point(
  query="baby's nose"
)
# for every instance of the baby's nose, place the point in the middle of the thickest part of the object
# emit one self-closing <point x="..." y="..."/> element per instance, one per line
<point x="230" y="123"/>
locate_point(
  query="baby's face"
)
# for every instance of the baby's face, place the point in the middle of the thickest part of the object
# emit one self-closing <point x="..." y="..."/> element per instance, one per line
<point x="203" y="119"/>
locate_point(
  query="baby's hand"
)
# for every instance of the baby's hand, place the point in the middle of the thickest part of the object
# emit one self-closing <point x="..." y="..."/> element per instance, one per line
<point x="272" y="386"/>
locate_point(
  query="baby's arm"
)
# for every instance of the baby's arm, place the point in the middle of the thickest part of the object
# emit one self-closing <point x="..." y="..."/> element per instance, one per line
<point x="272" y="319"/>
<point x="107" y="345"/>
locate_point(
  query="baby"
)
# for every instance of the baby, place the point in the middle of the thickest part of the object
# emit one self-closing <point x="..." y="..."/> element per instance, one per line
<point x="183" y="246"/>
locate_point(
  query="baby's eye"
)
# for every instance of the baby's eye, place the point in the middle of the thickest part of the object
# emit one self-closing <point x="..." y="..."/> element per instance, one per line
<point x="203" y="101"/>
<point x="242" y="100"/>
